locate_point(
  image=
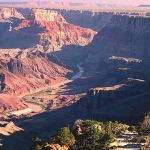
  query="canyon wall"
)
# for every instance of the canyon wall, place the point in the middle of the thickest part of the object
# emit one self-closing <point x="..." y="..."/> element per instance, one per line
<point x="41" y="27"/>
<point x="123" y="90"/>
<point x="119" y="54"/>
<point x="87" y="19"/>
<point x="125" y="36"/>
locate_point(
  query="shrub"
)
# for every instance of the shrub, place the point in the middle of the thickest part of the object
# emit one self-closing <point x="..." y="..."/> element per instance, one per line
<point x="143" y="140"/>
<point x="132" y="129"/>
<point x="92" y="136"/>
<point x="64" y="137"/>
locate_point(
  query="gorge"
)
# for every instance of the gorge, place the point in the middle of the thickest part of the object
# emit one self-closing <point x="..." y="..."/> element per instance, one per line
<point x="72" y="64"/>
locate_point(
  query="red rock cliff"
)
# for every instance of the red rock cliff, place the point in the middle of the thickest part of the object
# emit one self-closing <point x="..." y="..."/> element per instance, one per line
<point x="46" y="28"/>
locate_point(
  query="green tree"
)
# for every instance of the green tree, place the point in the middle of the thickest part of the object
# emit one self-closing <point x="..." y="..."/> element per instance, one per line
<point x="64" y="137"/>
<point x="105" y="140"/>
<point x="92" y="136"/>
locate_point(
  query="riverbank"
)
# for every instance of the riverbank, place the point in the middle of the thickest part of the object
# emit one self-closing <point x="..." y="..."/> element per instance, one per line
<point x="54" y="90"/>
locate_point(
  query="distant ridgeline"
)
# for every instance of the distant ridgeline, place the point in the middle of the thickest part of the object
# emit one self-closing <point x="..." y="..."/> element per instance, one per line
<point x="144" y="6"/>
<point x="12" y="3"/>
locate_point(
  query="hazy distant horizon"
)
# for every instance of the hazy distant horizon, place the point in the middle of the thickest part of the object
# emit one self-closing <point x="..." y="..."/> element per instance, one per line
<point x="123" y="2"/>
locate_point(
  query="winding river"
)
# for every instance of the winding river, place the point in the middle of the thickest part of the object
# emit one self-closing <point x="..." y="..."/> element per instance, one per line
<point x="36" y="108"/>
<point x="78" y="74"/>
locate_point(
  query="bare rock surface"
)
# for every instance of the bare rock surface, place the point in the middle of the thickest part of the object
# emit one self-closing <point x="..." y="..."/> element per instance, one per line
<point x="8" y="128"/>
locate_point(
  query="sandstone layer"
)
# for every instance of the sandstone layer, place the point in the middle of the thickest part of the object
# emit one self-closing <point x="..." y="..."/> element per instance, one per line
<point x="41" y="27"/>
<point x="22" y="72"/>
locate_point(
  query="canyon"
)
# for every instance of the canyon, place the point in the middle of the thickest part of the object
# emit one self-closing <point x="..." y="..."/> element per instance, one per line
<point x="57" y="66"/>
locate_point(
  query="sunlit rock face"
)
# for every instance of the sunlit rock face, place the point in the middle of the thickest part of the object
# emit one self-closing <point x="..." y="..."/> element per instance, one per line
<point x="23" y="72"/>
<point x="45" y="28"/>
<point x="46" y="15"/>
<point x="6" y="13"/>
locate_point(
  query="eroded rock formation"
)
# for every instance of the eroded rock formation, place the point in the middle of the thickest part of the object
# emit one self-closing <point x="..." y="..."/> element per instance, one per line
<point x="6" y="13"/>
<point x="46" y="28"/>
<point x="25" y="71"/>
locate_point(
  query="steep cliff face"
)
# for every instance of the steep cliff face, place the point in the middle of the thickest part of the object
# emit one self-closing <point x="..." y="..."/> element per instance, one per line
<point x="46" y="15"/>
<point x="123" y="90"/>
<point x="57" y="32"/>
<point x="87" y="19"/>
<point x="125" y="35"/>
<point x="46" y="28"/>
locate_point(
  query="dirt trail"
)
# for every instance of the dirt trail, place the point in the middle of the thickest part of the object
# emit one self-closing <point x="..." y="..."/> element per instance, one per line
<point x="124" y="142"/>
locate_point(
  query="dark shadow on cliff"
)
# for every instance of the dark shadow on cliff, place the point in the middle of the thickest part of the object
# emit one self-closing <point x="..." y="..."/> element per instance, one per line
<point x="23" y="38"/>
<point x="43" y="125"/>
<point x="71" y="55"/>
<point x="17" y="39"/>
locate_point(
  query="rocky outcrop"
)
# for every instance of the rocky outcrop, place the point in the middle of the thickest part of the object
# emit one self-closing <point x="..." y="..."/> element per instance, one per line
<point x="55" y="147"/>
<point x="6" y="13"/>
<point x="44" y="15"/>
<point x="8" y="128"/>
<point x="58" y="32"/>
<point x="99" y="90"/>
